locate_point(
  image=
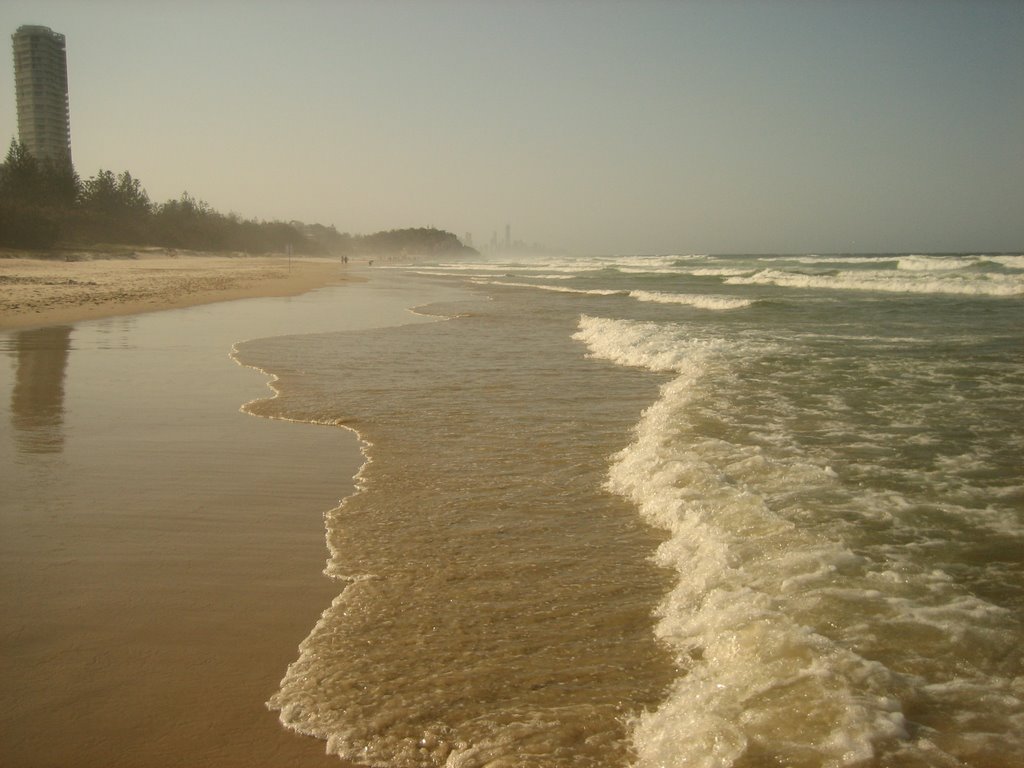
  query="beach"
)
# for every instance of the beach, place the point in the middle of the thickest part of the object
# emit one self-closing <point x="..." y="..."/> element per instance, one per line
<point x="707" y="510"/>
<point x="84" y="285"/>
<point x="162" y="552"/>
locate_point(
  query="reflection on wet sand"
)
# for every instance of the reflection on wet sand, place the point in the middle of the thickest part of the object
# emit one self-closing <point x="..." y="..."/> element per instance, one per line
<point x="37" y="398"/>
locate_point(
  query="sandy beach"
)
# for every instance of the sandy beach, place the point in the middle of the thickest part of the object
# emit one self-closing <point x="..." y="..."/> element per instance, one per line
<point x="162" y="552"/>
<point x="85" y="285"/>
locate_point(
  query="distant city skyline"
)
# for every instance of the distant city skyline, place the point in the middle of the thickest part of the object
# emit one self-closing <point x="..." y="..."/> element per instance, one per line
<point x="41" y="92"/>
<point x="603" y="127"/>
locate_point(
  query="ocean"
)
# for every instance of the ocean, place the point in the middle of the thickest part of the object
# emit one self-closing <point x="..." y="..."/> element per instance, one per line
<point x="683" y="510"/>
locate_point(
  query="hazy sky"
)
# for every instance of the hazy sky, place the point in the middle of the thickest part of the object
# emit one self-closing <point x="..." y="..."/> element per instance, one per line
<point x="652" y="127"/>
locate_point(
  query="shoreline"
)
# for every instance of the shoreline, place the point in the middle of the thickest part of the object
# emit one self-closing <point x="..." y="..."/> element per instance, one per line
<point x="164" y="550"/>
<point x="44" y="291"/>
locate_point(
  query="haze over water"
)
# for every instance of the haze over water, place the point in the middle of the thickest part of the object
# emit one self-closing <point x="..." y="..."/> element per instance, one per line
<point x="622" y="127"/>
<point x="682" y="510"/>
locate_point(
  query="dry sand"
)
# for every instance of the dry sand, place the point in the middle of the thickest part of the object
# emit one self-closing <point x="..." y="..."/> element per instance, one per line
<point x="48" y="291"/>
<point x="161" y="552"/>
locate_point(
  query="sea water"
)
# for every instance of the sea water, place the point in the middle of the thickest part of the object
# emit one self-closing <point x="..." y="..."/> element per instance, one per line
<point x="678" y="510"/>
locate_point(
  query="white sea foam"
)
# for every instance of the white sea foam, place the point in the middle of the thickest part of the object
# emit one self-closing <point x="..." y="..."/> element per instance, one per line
<point x="473" y="266"/>
<point x="693" y="300"/>
<point x="916" y="263"/>
<point x="652" y="262"/>
<point x="780" y="627"/>
<point x="622" y="263"/>
<point x="889" y="282"/>
<point x="719" y="271"/>
<point x="555" y="288"/>
<point x="442" y="273"/>
<point x="524" y="268"/>
<point x="1013" y="262"/>
<point x="751" y="665"/>
<point x="833" y="259"/>
<point x="641" y="345"/>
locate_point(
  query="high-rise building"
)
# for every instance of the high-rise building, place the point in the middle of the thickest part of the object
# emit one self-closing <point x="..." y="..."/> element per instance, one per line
<point x="41" y="88"/>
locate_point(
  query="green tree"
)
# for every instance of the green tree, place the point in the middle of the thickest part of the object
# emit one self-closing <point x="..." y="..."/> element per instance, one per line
<point x="29" y="181"/>
<point x="21" y="177"/>
<point x="61" y="186"/>
<point x="100" y="192"/>
<point x="115" y="195"/>
<point x="131" y="195"/>
<point x="32" y="196"/>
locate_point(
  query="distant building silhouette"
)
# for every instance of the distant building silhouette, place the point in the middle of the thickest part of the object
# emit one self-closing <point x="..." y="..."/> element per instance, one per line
<point x="41" y="88"/>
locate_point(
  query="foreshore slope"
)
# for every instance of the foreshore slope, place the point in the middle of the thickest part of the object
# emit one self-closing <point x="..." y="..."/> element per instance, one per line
<point x="162" y="552"/>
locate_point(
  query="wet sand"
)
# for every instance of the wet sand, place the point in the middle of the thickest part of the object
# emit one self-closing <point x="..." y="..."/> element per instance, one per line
<point x="161" y="552"/>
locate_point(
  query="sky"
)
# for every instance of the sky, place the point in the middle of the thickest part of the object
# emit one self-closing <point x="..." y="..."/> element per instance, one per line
<point x="722" y="126"/>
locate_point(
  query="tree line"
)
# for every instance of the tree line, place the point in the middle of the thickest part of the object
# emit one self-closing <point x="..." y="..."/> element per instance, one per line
<point x="45" y="204"/>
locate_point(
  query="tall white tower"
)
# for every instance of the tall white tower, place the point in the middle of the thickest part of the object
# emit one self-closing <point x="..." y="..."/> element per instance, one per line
<point x="41" y="88"/>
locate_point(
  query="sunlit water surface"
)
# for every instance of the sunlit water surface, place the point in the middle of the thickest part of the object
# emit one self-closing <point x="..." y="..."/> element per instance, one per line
<point x="682" y="510"/>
